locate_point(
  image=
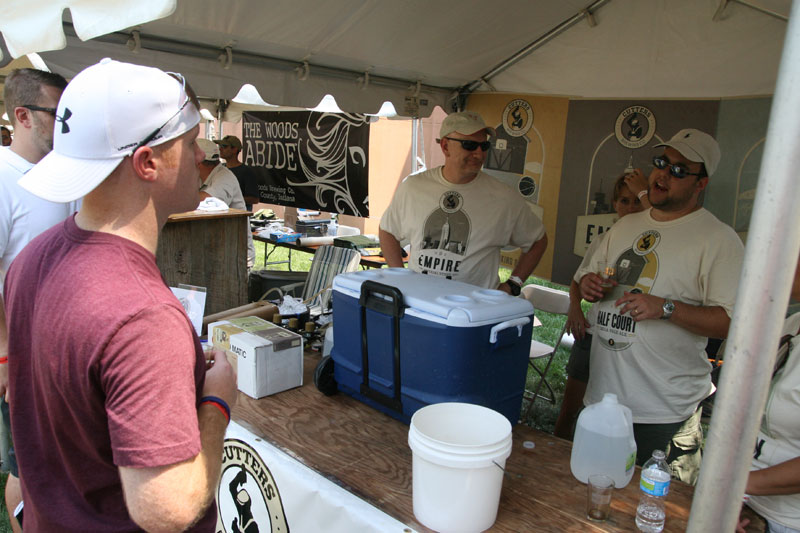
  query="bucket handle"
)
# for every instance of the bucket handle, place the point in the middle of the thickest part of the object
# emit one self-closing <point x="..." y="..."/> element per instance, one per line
<point x="518" y="322"/>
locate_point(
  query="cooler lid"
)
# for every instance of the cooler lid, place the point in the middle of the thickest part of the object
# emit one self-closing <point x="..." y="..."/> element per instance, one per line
<point x="438" y="299"/>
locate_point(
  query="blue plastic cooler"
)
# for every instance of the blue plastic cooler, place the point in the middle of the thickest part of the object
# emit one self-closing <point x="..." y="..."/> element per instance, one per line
<point x="404" y="340"/>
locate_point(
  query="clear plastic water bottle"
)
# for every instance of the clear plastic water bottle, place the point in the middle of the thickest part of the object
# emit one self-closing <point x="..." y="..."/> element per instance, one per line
<point x="654" y="485"/>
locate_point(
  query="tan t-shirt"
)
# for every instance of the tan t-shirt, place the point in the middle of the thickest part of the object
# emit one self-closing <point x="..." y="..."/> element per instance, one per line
<point x="780" y="432"/>
<point x="457" y="230"/>
<point x="655" y="367"/>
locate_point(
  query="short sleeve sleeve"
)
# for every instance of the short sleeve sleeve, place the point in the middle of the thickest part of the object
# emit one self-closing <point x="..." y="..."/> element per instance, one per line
<point x="148" y="376"/>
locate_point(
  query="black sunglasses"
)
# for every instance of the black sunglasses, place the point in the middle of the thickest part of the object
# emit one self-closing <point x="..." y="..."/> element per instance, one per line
<point x="182" y="80"/>
<point x="470" y="146"/>
<point x="51" y="110"/>
<point x="677" y="171"/>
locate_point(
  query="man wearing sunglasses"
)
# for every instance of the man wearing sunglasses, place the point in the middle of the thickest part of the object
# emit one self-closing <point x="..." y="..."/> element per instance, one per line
<point x="31" y="97"/>
<point x="681" y="269"/>
<point x="457" y="218"/>
<point x="119" y="416"/>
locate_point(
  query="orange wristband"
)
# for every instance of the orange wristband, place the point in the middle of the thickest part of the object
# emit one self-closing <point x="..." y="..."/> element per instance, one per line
<point x="3" y="360"/>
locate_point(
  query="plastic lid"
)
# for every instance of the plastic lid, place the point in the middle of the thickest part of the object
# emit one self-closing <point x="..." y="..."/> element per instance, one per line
<point x="610" y="397"/>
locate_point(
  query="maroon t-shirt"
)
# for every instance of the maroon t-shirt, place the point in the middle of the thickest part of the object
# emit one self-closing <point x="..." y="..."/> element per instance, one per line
<point x="106" y="371"/>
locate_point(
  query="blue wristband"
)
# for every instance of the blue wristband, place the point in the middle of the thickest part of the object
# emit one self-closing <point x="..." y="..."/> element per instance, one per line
<point x="218" y="401"/>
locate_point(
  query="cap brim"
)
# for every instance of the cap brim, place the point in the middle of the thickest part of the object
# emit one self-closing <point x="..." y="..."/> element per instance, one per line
<point x="685" y="150"/>
<point x="217" y="141"/>
<point x="58" y="178"/>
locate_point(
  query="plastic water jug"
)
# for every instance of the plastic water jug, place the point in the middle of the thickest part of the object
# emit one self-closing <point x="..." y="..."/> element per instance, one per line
<point x="604" y="442"/>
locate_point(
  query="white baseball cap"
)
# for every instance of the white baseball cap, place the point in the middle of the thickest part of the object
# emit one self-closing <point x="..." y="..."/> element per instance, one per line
<point x="696" y="146"/>
<point x="106" y="112"/>
<point x="210" y="148"/>
<point x="466" y="123"/>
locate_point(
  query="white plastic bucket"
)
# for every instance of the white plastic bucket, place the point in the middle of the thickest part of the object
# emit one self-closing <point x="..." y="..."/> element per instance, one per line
<point x="459" y="451"/>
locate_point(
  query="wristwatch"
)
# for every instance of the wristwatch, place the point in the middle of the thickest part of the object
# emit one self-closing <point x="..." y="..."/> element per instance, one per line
<point x="515" y="284"/>
<point x="667" y="309"/>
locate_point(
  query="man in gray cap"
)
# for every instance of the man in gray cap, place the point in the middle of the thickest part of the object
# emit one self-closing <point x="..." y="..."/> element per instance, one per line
<point x="118" y="416"/>
<point x="457" y="217"/>
<point x="229" y="148"/>
<point x="676" y="269"/>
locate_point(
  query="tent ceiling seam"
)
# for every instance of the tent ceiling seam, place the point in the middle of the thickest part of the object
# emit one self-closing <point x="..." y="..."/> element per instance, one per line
<point x="203" y="51"/>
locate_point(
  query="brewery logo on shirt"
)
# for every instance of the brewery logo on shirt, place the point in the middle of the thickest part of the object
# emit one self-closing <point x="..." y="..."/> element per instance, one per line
<point x="248" y="500"/>
<point x="451" y="201"/>
<point x="646" y="242"/>
<point x="635" y="126"/>
<point x="517" y="118"/>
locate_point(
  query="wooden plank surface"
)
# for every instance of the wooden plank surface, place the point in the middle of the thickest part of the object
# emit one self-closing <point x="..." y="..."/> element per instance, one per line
<point x="366" y="452"/>
<point x="200" y="215"/>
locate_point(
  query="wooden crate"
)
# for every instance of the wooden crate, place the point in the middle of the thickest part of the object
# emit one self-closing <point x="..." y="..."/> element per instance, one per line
<point x="208" y="250"/>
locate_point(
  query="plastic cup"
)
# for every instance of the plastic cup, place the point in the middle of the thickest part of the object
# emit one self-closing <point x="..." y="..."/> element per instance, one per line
<point x="607" y="271"/>
<point x="598" y="497"/>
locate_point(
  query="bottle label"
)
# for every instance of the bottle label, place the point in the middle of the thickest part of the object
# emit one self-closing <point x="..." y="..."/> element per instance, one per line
<point x="652" y="486"/>
<point x="630" y="463"/>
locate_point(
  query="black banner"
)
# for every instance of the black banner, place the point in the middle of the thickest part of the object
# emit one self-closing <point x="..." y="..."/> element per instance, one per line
<point x="309" y="159"/>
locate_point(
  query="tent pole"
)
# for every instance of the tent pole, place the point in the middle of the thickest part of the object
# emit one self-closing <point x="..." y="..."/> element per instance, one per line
<point x="587" y="13"/>
<point x="771" y="255"/>
<point x="414" y="144"/>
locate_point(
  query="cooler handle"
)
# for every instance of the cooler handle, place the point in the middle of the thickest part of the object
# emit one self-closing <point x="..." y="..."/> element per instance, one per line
<point x="518" y="322"/>
<point x="389" y="301"/>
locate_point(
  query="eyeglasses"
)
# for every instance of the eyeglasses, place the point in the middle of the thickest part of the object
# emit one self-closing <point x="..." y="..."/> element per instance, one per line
<point x="51" y="110"/>
<point x="180" y="78"/>
<point x="470" y="146"/>
<point x="676" y="171"/>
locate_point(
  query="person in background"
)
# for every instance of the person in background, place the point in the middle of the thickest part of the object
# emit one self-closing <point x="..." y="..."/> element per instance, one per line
<point x="31" y="97"/>
<point x="625" y="203"/>
<point x="121" y="416"/>
<point x="773" y="486"/>
<point x="457" y="217"/>
<point x="676" y="265"/>
<point x="220" y="182"/>
<point x="5" y="134"/>
<point x="229" y="148"/>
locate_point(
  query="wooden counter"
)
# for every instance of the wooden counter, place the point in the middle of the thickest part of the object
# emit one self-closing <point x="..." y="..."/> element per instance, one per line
<point x="367" y="453"/>
<point x="208" y="250"/>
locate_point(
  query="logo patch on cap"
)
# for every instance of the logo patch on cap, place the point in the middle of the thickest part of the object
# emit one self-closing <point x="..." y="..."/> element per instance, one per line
<point x="63" y="120"/>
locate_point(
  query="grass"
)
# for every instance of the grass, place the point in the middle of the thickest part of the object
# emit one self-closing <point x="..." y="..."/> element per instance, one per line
<point x="5" y="527"/>
<point x="300" y="261"/>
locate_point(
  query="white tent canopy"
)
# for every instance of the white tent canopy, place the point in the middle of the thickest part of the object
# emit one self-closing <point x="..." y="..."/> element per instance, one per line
<point x="425" y="52"/>
<point x="417" y="52"/>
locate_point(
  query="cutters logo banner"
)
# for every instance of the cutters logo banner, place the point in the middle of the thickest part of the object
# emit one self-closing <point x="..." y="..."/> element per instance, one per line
<point x="248" y="500"/>
<point x="309" y="159"/>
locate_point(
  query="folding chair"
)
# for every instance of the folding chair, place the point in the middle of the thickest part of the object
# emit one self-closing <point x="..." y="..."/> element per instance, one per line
<point x="549" y="301"/>
<point x="328" y="262"/>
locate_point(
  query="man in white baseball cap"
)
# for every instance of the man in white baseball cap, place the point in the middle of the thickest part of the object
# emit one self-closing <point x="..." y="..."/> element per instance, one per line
<point x="678" y="267"/>
<point x="119" y="417"/>
<point x="457" y="218"/>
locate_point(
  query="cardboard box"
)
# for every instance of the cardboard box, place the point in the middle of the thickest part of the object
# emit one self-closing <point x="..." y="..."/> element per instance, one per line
<point x="267" y="358"/>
